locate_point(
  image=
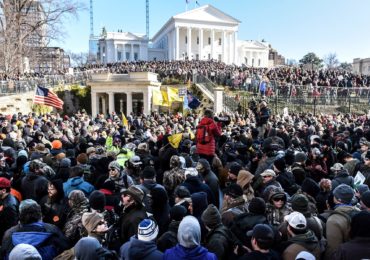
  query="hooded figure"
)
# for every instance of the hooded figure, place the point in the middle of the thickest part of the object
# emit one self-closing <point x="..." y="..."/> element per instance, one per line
<point x="189" y="243"/>
<point x="79" y="205"/>
<point x="210" y="178"/>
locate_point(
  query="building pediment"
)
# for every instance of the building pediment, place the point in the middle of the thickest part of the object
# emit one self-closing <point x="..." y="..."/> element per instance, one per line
<point x="124" y="36"/>
<point x="207" y="13"/>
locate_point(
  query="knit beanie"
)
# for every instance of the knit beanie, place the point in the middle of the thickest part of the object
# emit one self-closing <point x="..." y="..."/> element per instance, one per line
<point x="257" y="206"/>
<point x="365" y="198"/>
<point x="235" y="168"/>
<point x="344" y="193"/>
<point x="211" y="217"/>
<point x="90" y="220"/>
<point x="300" y="203"/>
<point x="56" y="144"/>
<point x="147" y="230"/>
<point x="115" y="165"/>
<point x="97" y="200"/>
<point x="300" y="157"/>
<point x="178" y="212"/>
<point x="280" y="164"/>
<point x="310" y="187"/>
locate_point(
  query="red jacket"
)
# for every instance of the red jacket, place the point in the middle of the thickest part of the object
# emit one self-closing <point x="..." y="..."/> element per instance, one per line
<point x="212" y="130"/>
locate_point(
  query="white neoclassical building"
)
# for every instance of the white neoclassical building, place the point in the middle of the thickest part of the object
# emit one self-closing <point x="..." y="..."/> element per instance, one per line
<point x="203" y="33"/>
<point x="122" y="46"/>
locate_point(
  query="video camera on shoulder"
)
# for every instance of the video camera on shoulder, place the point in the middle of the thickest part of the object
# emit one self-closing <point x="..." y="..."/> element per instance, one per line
<point x="225" y="120"/>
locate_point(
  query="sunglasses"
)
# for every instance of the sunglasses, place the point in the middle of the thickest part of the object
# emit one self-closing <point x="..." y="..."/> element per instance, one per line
<point x="102" y="223"/>
<point x="278" y="199"/>
<point x="112" y="169"/>
<point x="268" y="176"/>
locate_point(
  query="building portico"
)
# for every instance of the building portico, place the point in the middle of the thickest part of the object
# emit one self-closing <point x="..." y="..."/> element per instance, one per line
<point x="123" y="93"/>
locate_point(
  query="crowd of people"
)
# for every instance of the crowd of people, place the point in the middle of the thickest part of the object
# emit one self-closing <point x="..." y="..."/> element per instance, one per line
<point x="239" y="77"/>
<point x="165" y="186"/>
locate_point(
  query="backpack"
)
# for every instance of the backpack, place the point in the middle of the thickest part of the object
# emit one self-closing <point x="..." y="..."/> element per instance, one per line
<point x="203" y="136"/>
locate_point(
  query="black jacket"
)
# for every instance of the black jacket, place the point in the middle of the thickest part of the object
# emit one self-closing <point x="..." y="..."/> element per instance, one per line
<point x="130" y="220"/>
<point x="244" y="223"/>
<point x="8" y="213"/>
<point x="169" y="238"/>
<point x="220" y="241"/>
<point x="34" y="187"/>
<point x="193" y="184"/>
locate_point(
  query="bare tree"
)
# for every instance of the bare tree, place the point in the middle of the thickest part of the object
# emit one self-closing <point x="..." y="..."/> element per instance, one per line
<point x="26" y="25"/>
<point x="79" y="59"/>
<point x="331" y="61"/>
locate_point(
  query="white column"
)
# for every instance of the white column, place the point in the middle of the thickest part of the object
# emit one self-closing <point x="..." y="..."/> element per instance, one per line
<point x="224" y="47"/>
<point x="111" y="102"/>
<point x="218" y="104"/>
<point x="189" y="43"/>
<point x="94" y="104"/>
<point x="234" y="47"/>
<point x="200" y="43"/>
<point x="132" y="52"/>
<point x="103" y="104"/>
<point x="115" y="52"/>
<point x="128" y="103"/>
<point x="146" y="102"/>
<point x="177" y="43"/>
<point x="212" y="43"/>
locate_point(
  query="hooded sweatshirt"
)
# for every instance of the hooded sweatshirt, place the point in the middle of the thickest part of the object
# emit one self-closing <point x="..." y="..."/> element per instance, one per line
<point x="86" y="247"/>
<point x="189" y="243"/>
<point x="136" y="249"/>
<point x="304" y="242"/>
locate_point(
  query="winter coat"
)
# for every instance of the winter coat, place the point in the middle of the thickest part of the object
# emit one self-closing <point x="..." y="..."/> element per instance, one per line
<point x="212" y="181"/>
<point x="54" y="211"/>
<point x="130" y="219"/>
<point x="194" y="184"/>
<point x="77" y="183"/>
<point x="212" y="130"/>
<point x="220" y="241"/>
<point x="8" y="213"/>
<point x="276" y="216"/>
<point x="305" y="242"/>
<point x="299" y="173"/>
<point x="358" y="248"/>
<point x="337" y="228"/>
<point x="351" y="166"/>
<point x="169" y="238"/>
<point x="37" y="234"/>
<point x="181" y="253"/>
<point x="287" y="181"/>
<point x="34" y="187"/>
<point x="136" y="249"/>
<point x="73" y="228"/>
<point x="342" y="178"/>
<point x="244" y="223"/>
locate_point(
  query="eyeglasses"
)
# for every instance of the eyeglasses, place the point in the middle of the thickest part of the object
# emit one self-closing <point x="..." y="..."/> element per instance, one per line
<point x="278" y="199"/>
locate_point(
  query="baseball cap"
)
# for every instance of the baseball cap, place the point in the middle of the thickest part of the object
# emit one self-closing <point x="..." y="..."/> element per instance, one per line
<point x="296" y="220"/>
<point x="135" y="160"/>
<point x="262" y="232"/>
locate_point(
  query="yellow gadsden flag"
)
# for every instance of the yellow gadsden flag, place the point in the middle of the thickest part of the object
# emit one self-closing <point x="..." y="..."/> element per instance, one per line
<point x="124" y="121"/>
<point x="175" y="140"/>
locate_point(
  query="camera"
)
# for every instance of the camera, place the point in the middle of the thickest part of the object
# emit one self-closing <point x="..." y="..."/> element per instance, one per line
<point x="225" y="120"/>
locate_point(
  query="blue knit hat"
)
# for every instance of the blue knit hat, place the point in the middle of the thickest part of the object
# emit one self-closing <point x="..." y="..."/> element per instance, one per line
<point x="147" y="230"/>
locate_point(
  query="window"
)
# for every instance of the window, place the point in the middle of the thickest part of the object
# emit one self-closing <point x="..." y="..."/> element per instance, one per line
<point x="103" y="48"/>
<point x="136" y="56"/>
<point x="209" y="56"/>
<point x="209" y="40"/>
<point x="219" y="57"/>
<point x="252" y="62"/>
<point x="219" y="41"/>
<point x="186" y="39"/>
<point x="198" y="40"/>
<point x="197" y="56"/>
<point x="127" y="56"/>
<point x="119" y="56"/>
<point x="259" y="62"/>
<point x="246" y="61"/>
<point x="368" y="69"/>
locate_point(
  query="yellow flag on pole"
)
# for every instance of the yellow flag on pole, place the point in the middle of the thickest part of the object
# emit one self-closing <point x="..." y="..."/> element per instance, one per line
<point x="173" y="95"/>
<point x="175" y="140"/>
<point x="124" y="120"/>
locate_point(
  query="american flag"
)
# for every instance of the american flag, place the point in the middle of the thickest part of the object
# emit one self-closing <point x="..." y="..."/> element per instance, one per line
<point x="47" y="97"/>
